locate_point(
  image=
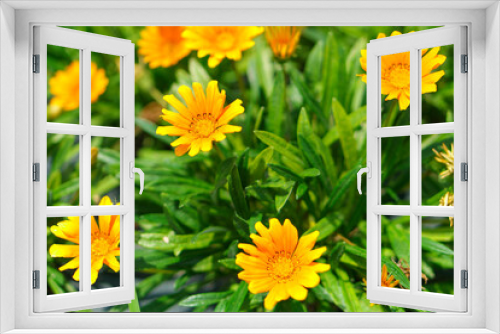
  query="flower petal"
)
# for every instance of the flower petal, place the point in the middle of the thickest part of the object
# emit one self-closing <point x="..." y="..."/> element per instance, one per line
<point x="57" y="250"/>
<point x="297" y="291"/>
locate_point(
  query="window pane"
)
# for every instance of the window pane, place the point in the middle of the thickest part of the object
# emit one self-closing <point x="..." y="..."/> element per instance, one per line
<point x="437" y="169"/>
<point x="437" y="84"/>
<point x="395" y="250"/>
<point x="105" y="166"/>
<point x="105" y="247"/>
<point x="105" y="89"/>
<point x="63" y="261"/>
<point x="63" y="84"/>
<point x="63" y="170"/>
<point x="395" y="89"/>
<point x="437" y="254"/>
<point x="395" y="168"/>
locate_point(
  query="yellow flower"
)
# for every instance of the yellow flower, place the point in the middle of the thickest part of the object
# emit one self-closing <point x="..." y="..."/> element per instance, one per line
<point x="283" y="40"/>
<point x="448" y="199"/>
<point x="221" y="42"/>
<point x="280" y="263"/>
<point x="162" y="46"/>
<point x="201" y="121"/>
<point x="387" y="282"/>
<point x="395" y="73"/>
<point x="65" y="87"/>
<point x="447" y="158"/>
<point x="105" y="241"/>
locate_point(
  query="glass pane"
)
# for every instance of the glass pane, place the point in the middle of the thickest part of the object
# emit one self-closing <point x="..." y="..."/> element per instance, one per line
<point x="395" y="89"/>
<point x="63" y="170"/>
<point x="105" y="169"/>
<point x="105" y="259"/>
<point x="63" y="250"/>
<point x="437" y="254"/>
<point x="63" y="84"/>
<point x="437" y="169"/>
<point x="395" y="252"/>
<point x="395" y="168"/>
<point x="105" y="89"/>
<point x="437" y="85"/>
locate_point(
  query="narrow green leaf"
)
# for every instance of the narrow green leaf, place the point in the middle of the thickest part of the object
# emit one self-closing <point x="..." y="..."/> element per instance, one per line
<point x="336" y="253"/>
<point x="301" y="191"/>
<point x="276" y="105"/>
<point x="281" y="146"/>
<point x="238" y="298"/>
<point x="286" y="172"/>
<point x="307" y="95"/>
<point x="134" y="304"/>
<point x="281" y="199"/>
<point x="150" y="128"/>
<point x="400" y="241"/>
<point x="393" y="269"/>
<point x="313" y="156"/>
<point x="348" y="291"/>
<point x="326" y="226"/>
<point x="435" y="246"/>
<point x="314" y="61"/>
<point x="238" y="194"/>
<point x="356" y="118"/>
<point x="223" y="172"/>
<point x="204" y="299"/>
<point x="339" y="189"/>
<point x="346" y="135"/>
<point x="259" y="164"/>
<point x="230" y="264"/>
<point x="198" y="73"/>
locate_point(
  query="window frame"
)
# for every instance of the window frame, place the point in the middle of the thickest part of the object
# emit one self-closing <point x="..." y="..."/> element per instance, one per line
<point x="474" y="318"/>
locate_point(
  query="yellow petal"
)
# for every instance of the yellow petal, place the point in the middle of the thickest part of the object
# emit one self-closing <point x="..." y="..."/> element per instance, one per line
<point x="260" y="286"/>
<point x="181" y="108"/>
<point x="73" y="264"/>
<point x="229" y="128"/>
<point x="64" y="250"/>
<point x="182" y="149"/>
<point x="233" y="110"/>
<point x="170" y="131"/>
<point x="290" y="236"/>
<point x="306" y="243"/>
<point x="276" y="231"/>
<point x="112" y="262"/>
<point x="206" y="144"/>
<point x="195" y="147"/>
<point x="297" y="291"/>
<point x="308" y="277"/>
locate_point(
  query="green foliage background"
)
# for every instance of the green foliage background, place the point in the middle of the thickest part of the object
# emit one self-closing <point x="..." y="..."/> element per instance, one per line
<point x="303" y="140"/>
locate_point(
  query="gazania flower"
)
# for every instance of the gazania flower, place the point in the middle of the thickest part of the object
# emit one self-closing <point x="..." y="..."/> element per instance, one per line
<point x="65" y="87"/>
<point x="162" y="46"/>
<point x="280" y="262"/>
<point x="200" y="122"/>
<point x="387" y="282"/>
<point x="104" y="248"/>
<point x="448" y="199"/>
<point x="221" y="42"/>
<point x="447" y="158"/>
<point x="283" y="40"/>
<point x="395" y="73"/>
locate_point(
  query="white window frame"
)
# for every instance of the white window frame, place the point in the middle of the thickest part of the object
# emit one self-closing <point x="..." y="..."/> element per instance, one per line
<point x="85" y="43"/>
<point x="414" y="43"/>
<point x="484" y="103"/>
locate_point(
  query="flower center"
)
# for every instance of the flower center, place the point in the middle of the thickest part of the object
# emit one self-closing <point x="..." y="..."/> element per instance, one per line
<point x="225" y="41"/>
<point x="203" y="126"/>
<point x="399" y="75"/>
<point x="282" y="266"/>
<point x="100" y="247"/>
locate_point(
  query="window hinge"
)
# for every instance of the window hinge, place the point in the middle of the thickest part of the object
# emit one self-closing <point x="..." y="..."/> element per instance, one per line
<point x="36" y="279"/>
<point x="465" y="279"/>
<point x="36" y="172"/>
<point x="464" y="172"/>
<point x="36" y="63"/>
<point x="465" y="64"/>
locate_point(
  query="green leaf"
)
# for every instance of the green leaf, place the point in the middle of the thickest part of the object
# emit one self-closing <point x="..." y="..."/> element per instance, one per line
<point x="340" y="189"/>
<point x="336" y="253"/>
<point x="301" y="191"/>
<point x="276" y="105"/>
<point x="238" y="298"/>
<point x="134" y="304"/>
<point x="348" y="292"/>
<point x="259" y="164"/>
<point x="281" y="199"/>
<point x="310" y="172"/>
<point x="356" y="118"/>
<point x="393" y="269"/>
<point x="286" y="172"/>
<point x="331" y="284"/>
<point x="325" y="226"/>
<point x="313" y="156"/>
<point x="150" y="128"/>
<point x="237" y="194"/>
<point x="333" y="73"/>
<point x="313" y="63"/>
<point x="307" y="95"/>
<point x="204" y="299"/>
<point x="434" y="246"/>
<point x="346" y="135"/>
<point x="264" y="64"/>
<point x="230" y="264"/>
<point x="198" y="73"/>
<point x="223" y="172"/>
<point x="281" y="146"/>
<point x="400" y="241"/>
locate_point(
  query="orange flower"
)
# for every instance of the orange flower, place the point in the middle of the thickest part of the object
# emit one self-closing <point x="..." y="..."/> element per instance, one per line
<point x="395" y="73"/>
<point x="162" y="46"/>
<point x="105" y="241"/>
<point x="221" y="42"/>
<point x="387" y="282"/>
<point x="280" y="263"/>
<point x="283" y="40"/>
<point x="200" y="122"/>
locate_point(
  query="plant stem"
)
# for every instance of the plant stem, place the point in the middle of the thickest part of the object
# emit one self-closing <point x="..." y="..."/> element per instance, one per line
<point x="389" y="121"/>
<point x="219" y="152"/>
<point x="241" y="81"/>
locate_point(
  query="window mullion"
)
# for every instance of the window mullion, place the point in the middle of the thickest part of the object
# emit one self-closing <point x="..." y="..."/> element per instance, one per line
<point x="415" y="171"/>
<point x="85" y="174"/>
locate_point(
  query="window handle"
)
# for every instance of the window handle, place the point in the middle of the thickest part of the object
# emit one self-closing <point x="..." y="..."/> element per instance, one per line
<point x="134" y="170"/>
<point x="368" y="171"/>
